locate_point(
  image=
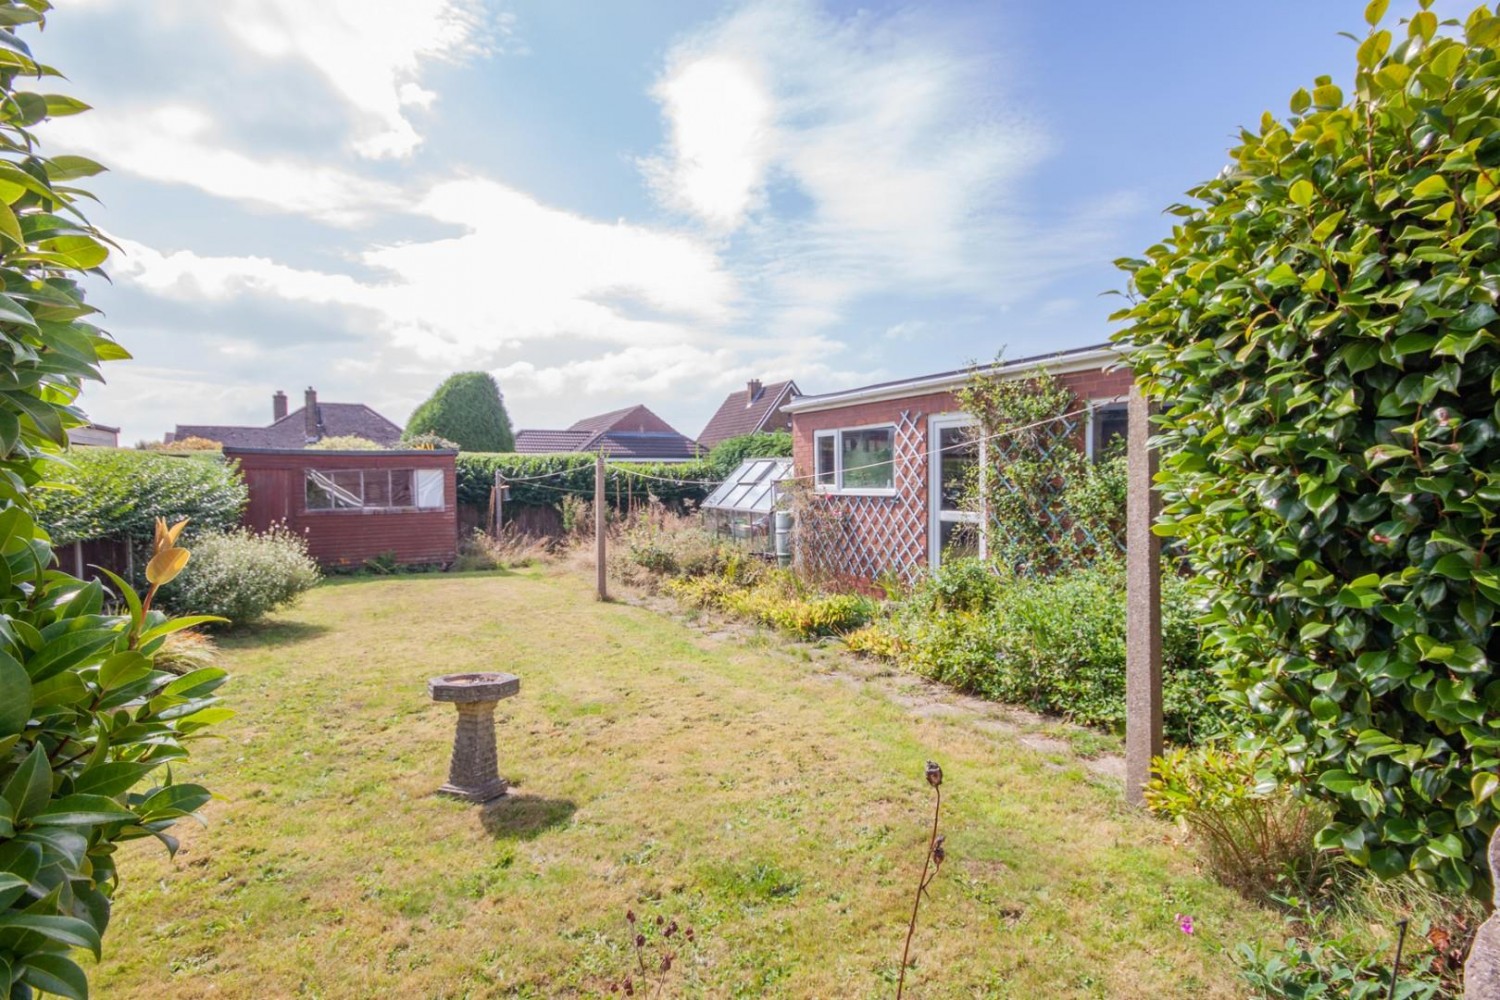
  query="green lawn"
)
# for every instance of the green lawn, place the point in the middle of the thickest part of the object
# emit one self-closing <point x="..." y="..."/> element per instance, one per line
<point x="769" y="797"/>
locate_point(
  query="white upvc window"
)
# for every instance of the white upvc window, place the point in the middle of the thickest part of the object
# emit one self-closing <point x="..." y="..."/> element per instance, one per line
<point x="857" y="460"/>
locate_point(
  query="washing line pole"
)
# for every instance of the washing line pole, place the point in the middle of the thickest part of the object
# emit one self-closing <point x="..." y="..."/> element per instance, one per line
<point x="599" y="525"/>
<point x="1143" y="647"/>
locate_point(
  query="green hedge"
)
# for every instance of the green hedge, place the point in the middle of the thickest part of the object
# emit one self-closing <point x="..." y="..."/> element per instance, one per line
<point x="1321" y="329"/>
<point x="110" y="493"/>
<point x="626" y="480"/>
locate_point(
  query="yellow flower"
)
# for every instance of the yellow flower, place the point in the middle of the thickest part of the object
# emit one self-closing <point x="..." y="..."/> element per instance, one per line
<point x="167" y="560"/>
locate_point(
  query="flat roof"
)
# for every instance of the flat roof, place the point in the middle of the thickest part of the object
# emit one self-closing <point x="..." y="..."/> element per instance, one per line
<point x="340" y="453"/>
<point x="1073" y="359"/>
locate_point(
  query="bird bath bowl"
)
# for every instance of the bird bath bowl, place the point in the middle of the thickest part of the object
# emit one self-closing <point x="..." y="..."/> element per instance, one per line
<point x="474" y="773"/>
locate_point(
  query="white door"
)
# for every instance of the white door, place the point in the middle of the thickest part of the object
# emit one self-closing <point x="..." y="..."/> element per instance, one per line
<point x="955" y="457"/>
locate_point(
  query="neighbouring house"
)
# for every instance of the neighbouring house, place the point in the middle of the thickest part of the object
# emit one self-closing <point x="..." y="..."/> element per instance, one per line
<point x="758" y="408"/>
<point x="356" y="505"/>
<point x="94" y="436"/>
<point x="306" y="425"/>
<point x="631" y="434"/>
<point x="891" y="459"/>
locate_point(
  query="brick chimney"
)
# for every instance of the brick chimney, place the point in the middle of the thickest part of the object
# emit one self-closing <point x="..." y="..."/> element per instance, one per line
<point x="310" y="416"/>
<point x="754" y="386"/>
<point x="278" y="406"/>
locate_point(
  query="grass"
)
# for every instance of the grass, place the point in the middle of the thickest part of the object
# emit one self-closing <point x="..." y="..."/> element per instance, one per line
<point x="774" y="804"/>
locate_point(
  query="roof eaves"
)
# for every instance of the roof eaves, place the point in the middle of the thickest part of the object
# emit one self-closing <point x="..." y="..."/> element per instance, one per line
<point x="1060" y="362"/>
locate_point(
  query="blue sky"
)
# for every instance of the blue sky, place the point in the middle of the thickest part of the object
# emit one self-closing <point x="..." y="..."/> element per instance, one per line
<point x="607" y="203"/>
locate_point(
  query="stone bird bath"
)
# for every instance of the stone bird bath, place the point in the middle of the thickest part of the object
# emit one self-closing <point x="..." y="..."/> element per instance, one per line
<point x="474" y="773"/>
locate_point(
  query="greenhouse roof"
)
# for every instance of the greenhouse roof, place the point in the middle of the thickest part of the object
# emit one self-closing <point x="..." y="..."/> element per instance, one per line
<point x="751" y="487"/>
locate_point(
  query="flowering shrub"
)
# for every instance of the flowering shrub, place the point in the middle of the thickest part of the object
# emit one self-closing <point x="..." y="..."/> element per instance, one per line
<point x="244" y="576"/>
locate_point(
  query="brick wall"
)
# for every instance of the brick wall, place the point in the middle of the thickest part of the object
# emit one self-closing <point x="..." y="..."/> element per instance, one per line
<point x="892" y="533"/>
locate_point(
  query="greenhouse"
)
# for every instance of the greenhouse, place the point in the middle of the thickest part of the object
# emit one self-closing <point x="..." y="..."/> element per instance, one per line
<point x="741" y="506"/>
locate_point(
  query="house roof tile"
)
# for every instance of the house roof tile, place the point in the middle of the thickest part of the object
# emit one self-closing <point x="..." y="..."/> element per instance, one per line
<point x="335" y="420"/>
<point x="740" y="413"/>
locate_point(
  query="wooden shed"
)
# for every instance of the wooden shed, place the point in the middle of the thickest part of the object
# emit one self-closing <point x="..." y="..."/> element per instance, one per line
<point x="356" y="505"/>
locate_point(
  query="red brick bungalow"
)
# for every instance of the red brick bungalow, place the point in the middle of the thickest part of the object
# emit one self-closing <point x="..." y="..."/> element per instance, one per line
<point x="897" y="503"/>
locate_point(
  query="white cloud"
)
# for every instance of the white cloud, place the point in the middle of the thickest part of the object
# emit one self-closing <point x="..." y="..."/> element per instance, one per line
<point x="370" y="52"/>
<point x="719" y="114"/>
<point x="901" y="168"/>
<point x="522" y="272"/>
<point x="181" y="144"/>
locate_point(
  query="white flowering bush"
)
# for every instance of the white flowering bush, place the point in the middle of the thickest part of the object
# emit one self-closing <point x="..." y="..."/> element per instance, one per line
<point x="243" y="576"/>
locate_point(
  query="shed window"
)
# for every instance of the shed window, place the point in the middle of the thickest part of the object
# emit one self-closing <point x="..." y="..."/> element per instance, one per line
<point x="857" y="460"/>
<point x="374" y="489"/>
<point x="1108" y="423"/>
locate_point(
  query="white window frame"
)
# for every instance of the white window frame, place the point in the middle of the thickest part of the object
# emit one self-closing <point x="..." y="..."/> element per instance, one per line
<point x="837" y="487"/>
<point x="416" y="505"/>
<point x="1088" y="427"/>
<point x="936" y="424"/>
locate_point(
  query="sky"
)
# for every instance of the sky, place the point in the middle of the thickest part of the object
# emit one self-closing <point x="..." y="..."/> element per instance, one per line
<point x="605" y="204"/>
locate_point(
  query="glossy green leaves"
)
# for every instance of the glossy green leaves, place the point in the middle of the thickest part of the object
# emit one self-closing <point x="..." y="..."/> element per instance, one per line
<point x="1321" y="329"/>
<point x="88" y="725"/>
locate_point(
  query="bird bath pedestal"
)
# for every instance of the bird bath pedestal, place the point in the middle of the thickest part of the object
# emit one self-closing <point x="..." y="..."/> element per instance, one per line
<point x="474" y="774"/>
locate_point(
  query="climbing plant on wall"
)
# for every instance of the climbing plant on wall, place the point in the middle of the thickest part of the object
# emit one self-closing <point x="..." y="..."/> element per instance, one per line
<point x="1320" y="329"/>
<point x="1049" y="507"/>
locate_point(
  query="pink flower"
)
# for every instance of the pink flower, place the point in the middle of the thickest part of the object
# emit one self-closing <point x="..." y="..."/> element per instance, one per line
<point x="1185" y="923"/>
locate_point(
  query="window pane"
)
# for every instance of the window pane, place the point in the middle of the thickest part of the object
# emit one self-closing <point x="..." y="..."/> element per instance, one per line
<point x="348" y="489"/>
<point x="1110" y="424"/>
<point x="867" y="459"/>
<point x="429" y="488"/>
<point x="319" y="491"/>
<point x="825" y="456"/>
<point x="960" y="539"/>
<point x="377" y="488"/>
<point x="402" y="494"/>
<point x="333" y="490"/>
<point x="959" y="463"/>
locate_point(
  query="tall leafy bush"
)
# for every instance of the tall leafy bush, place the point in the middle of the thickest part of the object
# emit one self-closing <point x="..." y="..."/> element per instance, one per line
<point x="86" y="720"/>
<point x="1320" y="328"/>
<point x="468" y="410"/>
<point x="727" y="455"/>
<point x="111" y="493"/>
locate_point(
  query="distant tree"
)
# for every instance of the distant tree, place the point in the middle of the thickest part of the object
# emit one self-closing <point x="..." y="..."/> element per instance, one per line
<point x="729" y="453"/>
<point x="468" y="410"/>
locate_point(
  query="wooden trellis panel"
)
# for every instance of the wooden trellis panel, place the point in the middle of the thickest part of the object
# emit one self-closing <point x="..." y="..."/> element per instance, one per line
<point x="867" y="537"/>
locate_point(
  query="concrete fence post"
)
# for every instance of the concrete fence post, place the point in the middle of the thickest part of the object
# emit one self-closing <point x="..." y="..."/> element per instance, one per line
<point x="1143" y="701"/>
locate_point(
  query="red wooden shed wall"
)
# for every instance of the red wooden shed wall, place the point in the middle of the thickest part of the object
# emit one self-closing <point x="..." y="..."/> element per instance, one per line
<point x="349" y="537"/>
